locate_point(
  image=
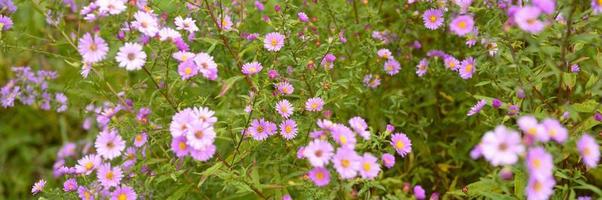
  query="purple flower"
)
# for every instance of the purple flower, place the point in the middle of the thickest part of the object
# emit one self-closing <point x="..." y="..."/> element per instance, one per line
<point x="598" y="116"/>
<point x="38" y="186"/>
<point x="501" y="146"/>
<point x="131" y="56"/>
<point x="422" y="67"/>
<point x="314" y="104"/>
<point x="303" y="17"/>
<point x="496" y="103"/>
<point x="288" y="129"/>
<point x="251" y="68"/>
<point x="529" y="125"/>
<point x="513" y="110"/>
<point x="320" y="176"/>
<point x="109" y="176"/>
<point x="371" y="81"/>
<point x="433" y="18"/>
<point x="273" y="74"/>
<point x="384" y="53"/>
<point x="462" y="25"/>
<point x="392" y="67"/>
<point x="359" y="125"/>
<point x="589" y="150"/>
<point x="343" y="136"/>
<point x="142" y="115"/>
<point x="318" y="152"/>
<point x="419" y="193"/>
<point x="187" y="69"/>
<point x="346" y="162"/>
<point x="109" y="144"/>
<point x="555" y="130"/>
<point x="92" y="48"/>
<point x="520" y="93"/>
<point x="597" y="6"/>
<point x="8" y="5"/>
<point x="540" y="188"/>
<point x="527" y="19"/>
<point x="401" y="143"/>
<point x="284" y="108"/>
<point x="70" y="185"/>
<point x="203" y="154"/>
<point x="179" y="146"/>
<point x="259" y="5"/>
<point x="547" y="6"/>
<point x="273" y="41"/>
<point x="259" y="129"/>
<point x="124" y="193"/>
<point x="5" y="22"/>
<point x="328" y="61"/>
<point x="575" y="68"/>
<point x="388" y="160"/>
<point x="369" y="167"/>
<point x="200" y="135"/>
<point x="285" y="88"/>
<point x="539" y="162"/>
<point x="84" y="193"/>
<point x="88" y="164"/>
<point x="477" y="107"/>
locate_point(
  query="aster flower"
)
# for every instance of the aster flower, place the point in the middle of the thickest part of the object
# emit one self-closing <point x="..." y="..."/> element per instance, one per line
<point x="109" y="144"/>
<point x="168" y="34"/>
<point x="146" y="23"/>
<point x="142" y="115"/>
<point x="284" y="108"/>
<point x="180" y="122"/>
<point x="124" y="193"/>
<point x="183" y="56"/>
<point x="320" y="176"/>
<point x="204" y="115"/>
<point x="529" y="125"/>
<point x="467" y="68"/>
<point x="200" y="135"/>
<point x="346" y="162"/>
<point x="251" y="68"/>
<point x="206" y="65"/>
<point x="401" y="143"/>
<point x="187" y="69"/>
<point x="225" y="23"/>
<point x="433" y="18"/>
<point x="302" y="17"/>
<point x="596" y="6"/>
<point x="203" y="154"/>
<point x="344" y="136"/>
<point x="388" y="160"/>
<point x="70" y="185"/>
<point x="547" y="6"/>
<point x="109" y="176"/>
<point x="451" y="63"/>
<point x="328" y="61"/>
<point x="371" y="81"/>
<point x="384" y="53"/>
<point x="392" y="67"/>
<point x="179" y="146"/>
<point x="462" y="25"/>
<point x="539" y="162"/>
<point x="273" y="41"/>
<point x="496" y="103"/>
<point x="527" y="19"/>
<point x="5" y="23"/>
<point x="477" y="107"/>
<point x="38" y="186"/>
<point x="84" y="193"/>
<point x="589" y="150"/>
<point x="260" y="129"/>
<point x="92" y="48"/>
<point x="131" y="56"/>
<point x="359" y="125"/>
<point x="422" y="67"/>
<point x="318" y="152"/>
<point x="288" y="129"/>
<point x="419" y="192"/>
<point x="187" y="24"/>
<point x="285" y="88"/>
<point x="369" y="167"/>
<point x="87" y="164"/>
<point x="314" y="104"/>
<point x="555" y="130"/>
<point x="501" y="146"/>
<point x="575" y="68"/>
<point x="112" y="7"/>
<point x="540" y="188"/>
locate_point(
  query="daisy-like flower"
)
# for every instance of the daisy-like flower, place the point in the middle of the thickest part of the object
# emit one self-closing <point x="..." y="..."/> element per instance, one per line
<point x="540" y="188"/>
<point x="371" y="81"/>
<point x="419" y="192"/>
<point x="109" y="176"/>
<point x="180" y="122"/>
<point x="131" y="56"/>
<point x="146" y="23"/>
<point x="187" y="24"/>
<point x="284" y="108"/>
<point x="320" y="176"/>
<point x="112" y="7"/>
<point x="547" y="6"/>
<point x="109" y="144"/>
<point x="70" y="185"/>
<point x="273" y="41"/>
<point x="369" y="167"/>
<point x="87" y="164"/>
<point x="344" y="136"/>
<point x="384" y="53"/>
<point x="92" y="48"/>
<point x="179" y="146"/>
<point x="314" y="104"/>
<point x="225" y="23"/>
<point x="206" y="65"/>
<point x="529" y="125"/>
<point x="200" y="135"/>
<point x="302" y="17"/>
<point x="5" y="23"/>
<point x="318" y="152"/>
<point x="462" y="25"/>
<point x="401" y="143"/>
<point x="359" y="125"/>
<point x="589" y="150"/>
<point x="597" y="6"/>
<point x="124" y="193"/>
<point x="555" y="130"/>
<point x="501" y="146"/>
<point x="422" y="67"/>
<point x="346" y="162"/>
<point x="251" y="68"/>
<point x="288" y="129"/>
<point x="169" y="34"/>
<point x="527" y="19"/>
<point x="259" y="129"/>
<point x="451" y="63"/>
<point x="285" y="88"/>
<point x="187" y="69"/>
<point x="84" y="193"/>
<point x="477" y="107"/>
<point x="433" y="18"/>
<point x="539" y="162"/>
<point x="204" y="115"/>
<point x="140" y="139"/>
<point x="203" y="154"/>
<point x="38" y="186"/>
<point x="388" y="160"/>
<point x="467" y="68"/>
<point x="328" y="61"/>
<point x="392" y="67"/>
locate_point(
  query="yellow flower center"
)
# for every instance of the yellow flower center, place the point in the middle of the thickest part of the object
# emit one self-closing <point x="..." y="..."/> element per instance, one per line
<point x="537" y="186"/>
<point x="93" y="47"/>
<point x="274" y="42"/>
<point x="319" y="175"/>
<point x="433" y="18"/>
<point x="536" y="163"/>
<point x="367" y="166"/>
<point x="531" y="131"/>
<point x="89" y="165"/>
<point x="343" y="139"/>
<point x="182" y="145"/>
<point x="122" y="196"/>
<point x="87" y="195"/>
<point x="468" y="68"/>
<point x="288" y="129"/>
<point x="314" y="105"/>
<point x="462" y="24"/>
<point x="188" y="71"/>
<point x="345" y="163"/>
<point x="553" y="132"/>
<point x="139" y="138"/>
<point x="260" y="129"/>
<point x="109" y="175"/>
<point x="199" y="134"/>
<point x="399" y="145"/>
<point x="586" y="151"/>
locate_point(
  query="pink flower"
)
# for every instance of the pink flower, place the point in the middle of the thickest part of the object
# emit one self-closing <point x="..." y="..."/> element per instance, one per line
<point x="273" y="41"/>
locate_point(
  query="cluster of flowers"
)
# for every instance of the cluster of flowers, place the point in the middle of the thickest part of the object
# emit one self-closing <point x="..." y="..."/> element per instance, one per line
<point x="8" y="7"/>
<point x="193" y="133"/>
<point x="103" y="114"/>
<point x="346" y="161"/>
<point x="503" y="146"/>
<point x="31" y="87"/>
<point x="495" y="103"/>
<point x="111" y="178"/>
<point x="192" y="64"/>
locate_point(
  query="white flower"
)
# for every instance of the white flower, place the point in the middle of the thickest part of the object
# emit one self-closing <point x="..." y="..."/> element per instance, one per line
<point x="131" y="56"/>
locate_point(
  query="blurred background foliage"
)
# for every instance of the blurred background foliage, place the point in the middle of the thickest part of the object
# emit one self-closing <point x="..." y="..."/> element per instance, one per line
<point x="431" y="110"/>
